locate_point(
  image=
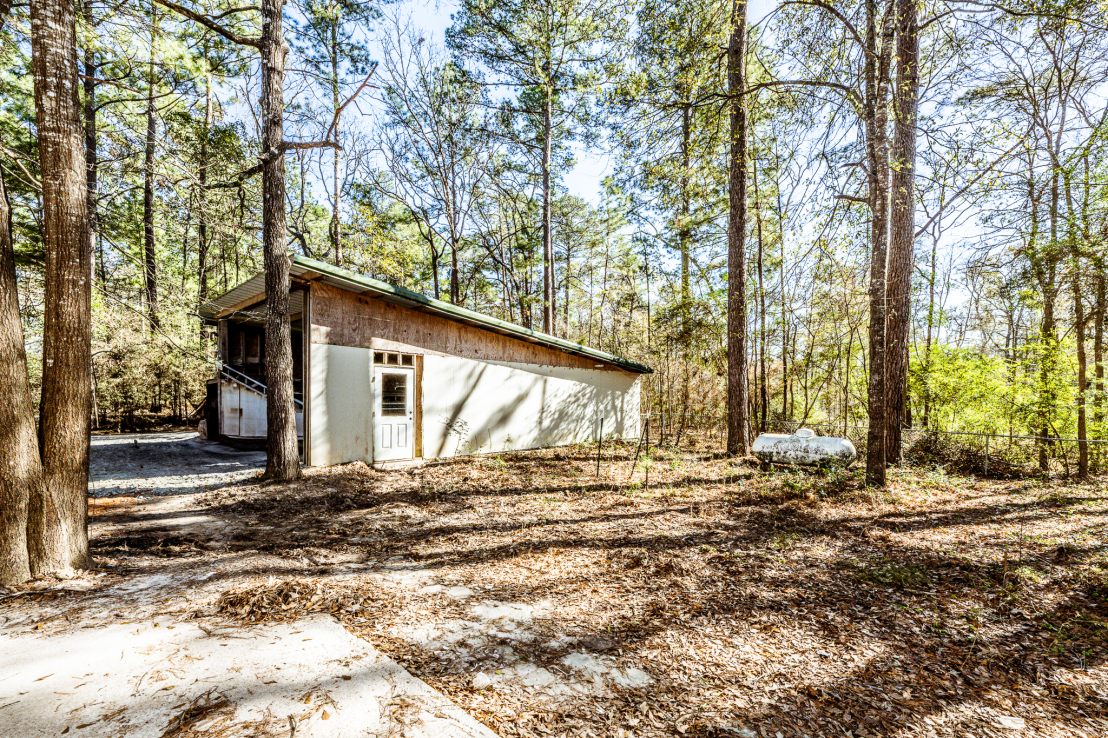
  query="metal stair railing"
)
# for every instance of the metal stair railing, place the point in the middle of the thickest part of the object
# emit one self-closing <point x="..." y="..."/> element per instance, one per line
<point x="234" y="375"/>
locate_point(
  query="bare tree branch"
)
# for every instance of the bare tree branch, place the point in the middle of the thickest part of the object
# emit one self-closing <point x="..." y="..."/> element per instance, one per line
<point x="210" y="24"/>
<point x="14" y="156"/>
<point x="238" y="178"/>
<point x="980" y="175"/>
<point x="339" y="109"/>
<point x="295" y="145"/>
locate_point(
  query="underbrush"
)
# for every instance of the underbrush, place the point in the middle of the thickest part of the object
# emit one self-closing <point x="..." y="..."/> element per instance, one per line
<point x="956" y="457"/>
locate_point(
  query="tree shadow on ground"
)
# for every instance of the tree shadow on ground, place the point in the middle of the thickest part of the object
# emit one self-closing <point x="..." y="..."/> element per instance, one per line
<point x="924" y="610"/>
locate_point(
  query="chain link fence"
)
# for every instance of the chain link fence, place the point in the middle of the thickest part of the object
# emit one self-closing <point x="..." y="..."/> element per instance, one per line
<point x="989" y="454"/>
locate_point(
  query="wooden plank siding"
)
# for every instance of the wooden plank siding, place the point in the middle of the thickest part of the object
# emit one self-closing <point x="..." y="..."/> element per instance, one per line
<point x="342" y="318"/>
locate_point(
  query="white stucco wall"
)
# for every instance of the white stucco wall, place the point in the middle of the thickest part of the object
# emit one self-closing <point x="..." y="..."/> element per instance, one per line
<point x="341" y="427"/>
<point x="480" y="406"/>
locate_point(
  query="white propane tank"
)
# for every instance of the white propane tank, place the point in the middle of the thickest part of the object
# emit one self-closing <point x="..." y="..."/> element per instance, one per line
<point x="805" y="448"/>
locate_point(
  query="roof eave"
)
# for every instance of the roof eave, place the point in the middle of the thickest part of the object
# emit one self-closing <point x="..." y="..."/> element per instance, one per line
<point x="314" y="270"/>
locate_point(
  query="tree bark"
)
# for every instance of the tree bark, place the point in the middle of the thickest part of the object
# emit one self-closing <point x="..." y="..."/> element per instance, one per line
<point x="1077" y="236"/>
<point x="784" y="298"/>
<point x="283" y="462"/>
<point x="565" y="289"/>
<point x="738" y="421"/>
<point x="763" y="395"/>
<point x="902" y="247"/>
<point x="547" y="229"/>
<point x="202" y="246"/>
<point x="336" y="209"/>
<point x="92" y="159"/>
<point x="455" y="280"/>
<point x="58" y="516"/>
<point x="1082" y="373"/>
<point x="150" y="262"/>
<point x="1098" y="363"/>
<point x="876" y="122"/>
<point x="684" y="234"/>
<point x="1049" y="351"/>
<point x="434" y="262"/>
<point x="21" y="474"/>
<point x="928" y="335"/>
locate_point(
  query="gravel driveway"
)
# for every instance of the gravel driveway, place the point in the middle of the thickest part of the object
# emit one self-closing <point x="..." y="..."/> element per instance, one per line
<point x="165" y="464"/>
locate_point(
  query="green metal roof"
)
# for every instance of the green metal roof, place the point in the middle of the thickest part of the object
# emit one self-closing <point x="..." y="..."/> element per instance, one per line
<point x="345" y="279"/>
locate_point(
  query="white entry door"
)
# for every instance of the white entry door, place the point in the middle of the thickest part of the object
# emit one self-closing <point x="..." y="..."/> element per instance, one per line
<point x="393" y="425"/>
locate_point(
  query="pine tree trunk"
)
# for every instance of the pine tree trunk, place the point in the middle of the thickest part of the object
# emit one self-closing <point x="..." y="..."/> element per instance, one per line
<point x="902" y="246"/>
<point x="283" y="462"/>
<point x="928" y="335"/>
<point x="784" y="305"/>
<point x="1076" y="236"/>
<point x="434" y="263"/>
<point x="1082" y="374"/>
<point x="763" y="396"/>
<point x="202" y="246"/>
<point x="1049" y="352"/>
<point x="336" y="208"/>
<point x="684" y="234"/>
<point x="876" y="113"/>
<point x="455" y="281"/>
<point x="21" y="473"/>
<point x="738" y="422"/>
<point x="92" y="160"/>
<point x="547" y="229"/>
<point x="150" y="262"/>
<point x="1098" y="364"/>
<point x="1046" y="393"/>
<point x="58" y="517"/>
<point x="565" y="293"/>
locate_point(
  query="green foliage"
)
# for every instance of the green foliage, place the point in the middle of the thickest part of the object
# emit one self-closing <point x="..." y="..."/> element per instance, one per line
<point x="973" y="392"/>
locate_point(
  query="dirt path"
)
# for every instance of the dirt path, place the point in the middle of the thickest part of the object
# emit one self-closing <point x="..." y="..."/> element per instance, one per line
<point x="165" y="464"/>
<point x="142" y="647"/>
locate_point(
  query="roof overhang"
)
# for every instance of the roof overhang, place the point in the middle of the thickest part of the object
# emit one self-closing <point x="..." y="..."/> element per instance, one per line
<point x="304" y="270"/>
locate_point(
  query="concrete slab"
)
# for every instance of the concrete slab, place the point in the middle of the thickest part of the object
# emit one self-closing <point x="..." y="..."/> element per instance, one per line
<point x="136" y="679"/>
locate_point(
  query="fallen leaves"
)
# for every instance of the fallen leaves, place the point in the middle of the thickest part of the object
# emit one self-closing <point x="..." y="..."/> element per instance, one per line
<point x="762" y="603"/>
<point x="289" y="599"/>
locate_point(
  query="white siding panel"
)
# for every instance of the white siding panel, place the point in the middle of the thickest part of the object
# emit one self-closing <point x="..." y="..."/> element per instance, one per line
<point x="480" y="407"/>
<point x="244" y="412"/>
<point x="341" y="404"/>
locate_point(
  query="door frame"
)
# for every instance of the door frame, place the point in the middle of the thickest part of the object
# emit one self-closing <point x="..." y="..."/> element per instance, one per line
<point x="384" y="359"/>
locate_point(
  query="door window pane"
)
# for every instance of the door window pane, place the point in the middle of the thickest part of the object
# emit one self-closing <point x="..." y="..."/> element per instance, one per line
<point x="394" y="394"/>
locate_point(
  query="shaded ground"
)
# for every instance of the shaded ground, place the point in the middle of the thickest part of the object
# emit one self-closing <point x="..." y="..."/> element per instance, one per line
<point x="717" y="600"/>
<point x="165" y="464"/>
<point x="178" y="678"/>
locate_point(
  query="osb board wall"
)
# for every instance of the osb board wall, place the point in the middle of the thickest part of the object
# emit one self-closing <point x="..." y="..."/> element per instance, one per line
<point x="341" y="318"/>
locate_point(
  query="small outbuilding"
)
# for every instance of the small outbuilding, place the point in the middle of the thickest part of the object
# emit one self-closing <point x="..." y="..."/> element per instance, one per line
<point x="384" y="374"/>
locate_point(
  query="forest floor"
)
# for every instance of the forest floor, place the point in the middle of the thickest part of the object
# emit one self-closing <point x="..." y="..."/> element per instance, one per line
<point x="717" y="600"/>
